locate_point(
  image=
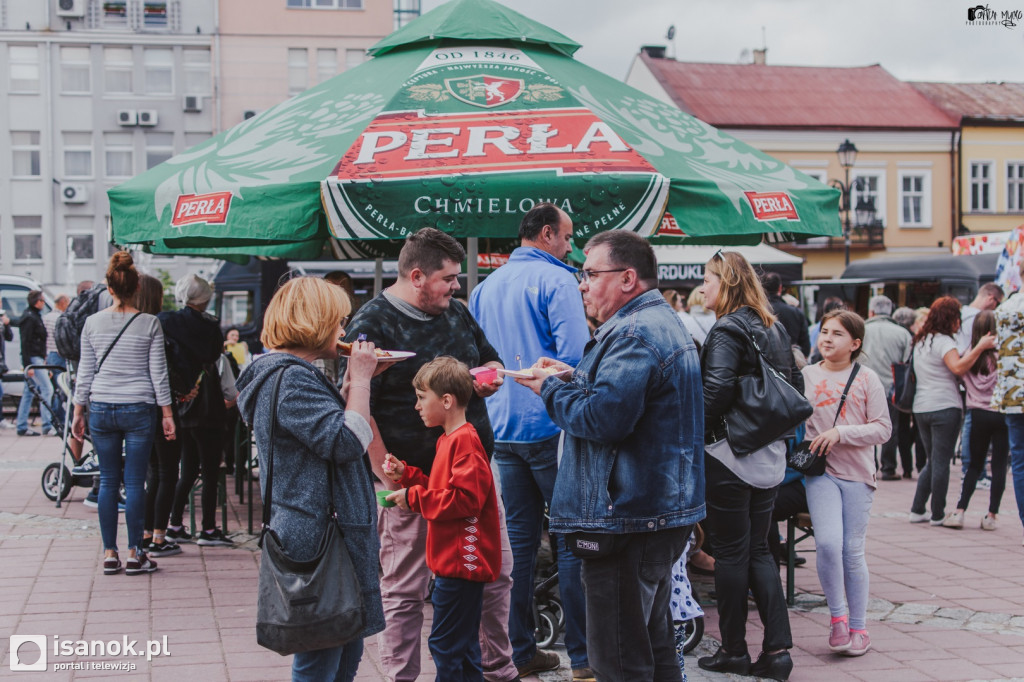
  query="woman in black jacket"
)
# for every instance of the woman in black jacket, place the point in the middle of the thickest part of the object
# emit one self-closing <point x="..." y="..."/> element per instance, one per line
<point x="741" y="490"/>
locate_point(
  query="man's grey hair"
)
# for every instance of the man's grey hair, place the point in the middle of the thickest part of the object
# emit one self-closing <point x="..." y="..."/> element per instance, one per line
<point x="880" y="305"/>
<point x="904" y="316"/>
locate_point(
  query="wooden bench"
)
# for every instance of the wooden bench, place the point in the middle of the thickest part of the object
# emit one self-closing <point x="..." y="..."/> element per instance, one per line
<point x="798" y="529"/>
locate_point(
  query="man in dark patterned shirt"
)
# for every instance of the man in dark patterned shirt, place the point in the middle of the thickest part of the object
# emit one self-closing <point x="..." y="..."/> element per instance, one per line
<point x="416" y="314"/>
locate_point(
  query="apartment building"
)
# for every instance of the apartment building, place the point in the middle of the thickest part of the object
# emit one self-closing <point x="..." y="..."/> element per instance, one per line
<point x="101" y="90"/>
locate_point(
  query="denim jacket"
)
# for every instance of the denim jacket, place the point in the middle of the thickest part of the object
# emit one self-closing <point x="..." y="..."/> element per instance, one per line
<point x="633" y="416"/>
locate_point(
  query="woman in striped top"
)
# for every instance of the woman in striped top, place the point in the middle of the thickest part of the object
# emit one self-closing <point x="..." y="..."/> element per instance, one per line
<point x="122" y="378"/>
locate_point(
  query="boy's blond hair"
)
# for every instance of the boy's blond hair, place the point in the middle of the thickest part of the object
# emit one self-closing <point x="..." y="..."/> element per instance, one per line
<point x="446" y="375"/>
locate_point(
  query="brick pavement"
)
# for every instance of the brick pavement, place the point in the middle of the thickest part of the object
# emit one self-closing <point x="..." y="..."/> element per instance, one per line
<point x="946" y="605"/>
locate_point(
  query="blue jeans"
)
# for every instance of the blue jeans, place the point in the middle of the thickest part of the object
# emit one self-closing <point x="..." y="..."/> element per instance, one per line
<point x="455" y="635"/>
<point x="57" y="402"/>
<point x="527" y="473"/>
<point x="42" y="381"/>
<point x="338" y="664"/>
<point x="1015" y="428"/>
<point x="133" y="425"/>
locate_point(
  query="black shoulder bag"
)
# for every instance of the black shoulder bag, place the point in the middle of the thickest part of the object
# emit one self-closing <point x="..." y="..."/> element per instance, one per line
<point x="305" y="605"/>
<point x="904" y="385"/>
<point x="766" y="407"/>
<point x="801" y="458"/>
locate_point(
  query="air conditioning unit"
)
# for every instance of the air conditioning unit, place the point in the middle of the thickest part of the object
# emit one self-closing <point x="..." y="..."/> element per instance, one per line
<point x="147" y="117"/>
<point x="70" y="8"/>
<point x="193" y="104"/>
<point x="73" y="194"/>
<point x="127" y="117"/>
<point x="248" y="113"/>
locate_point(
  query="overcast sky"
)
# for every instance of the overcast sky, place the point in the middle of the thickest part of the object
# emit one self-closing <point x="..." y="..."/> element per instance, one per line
<point x="912" y="39"/>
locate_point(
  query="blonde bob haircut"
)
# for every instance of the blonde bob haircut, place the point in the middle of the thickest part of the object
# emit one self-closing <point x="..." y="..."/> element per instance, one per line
<point x="740" y="286"/>
<point x="305" y="313"/>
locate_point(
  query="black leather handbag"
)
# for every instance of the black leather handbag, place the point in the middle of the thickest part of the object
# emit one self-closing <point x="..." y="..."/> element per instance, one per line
<point x="807" y="462"/>
<point x="305" y="605"/>
<point x="766" y="408"/>
<point x="904" y="385"/>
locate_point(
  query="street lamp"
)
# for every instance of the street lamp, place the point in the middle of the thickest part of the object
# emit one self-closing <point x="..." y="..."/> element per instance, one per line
<point x="847" y="154"/>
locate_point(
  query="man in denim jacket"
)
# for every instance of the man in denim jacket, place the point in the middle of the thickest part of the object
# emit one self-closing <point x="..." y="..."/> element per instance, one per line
<point x="631" y="478"/>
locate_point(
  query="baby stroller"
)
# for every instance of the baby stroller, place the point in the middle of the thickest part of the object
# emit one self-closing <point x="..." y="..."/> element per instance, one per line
<point x="548" y="616"/>
<point x="57" y="479"/>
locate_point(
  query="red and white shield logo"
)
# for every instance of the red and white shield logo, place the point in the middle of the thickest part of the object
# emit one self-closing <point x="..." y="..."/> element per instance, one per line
<point x="484" y="91"/>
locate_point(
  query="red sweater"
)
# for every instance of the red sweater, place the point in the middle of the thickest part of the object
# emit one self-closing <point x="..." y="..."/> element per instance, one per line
<point x="461" y="508"/>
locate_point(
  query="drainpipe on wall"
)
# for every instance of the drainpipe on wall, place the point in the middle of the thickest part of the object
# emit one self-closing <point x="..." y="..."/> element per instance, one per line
<point x="49" y="274"/>
<point x="217" y="123"/>
<point x="957" y="195"/>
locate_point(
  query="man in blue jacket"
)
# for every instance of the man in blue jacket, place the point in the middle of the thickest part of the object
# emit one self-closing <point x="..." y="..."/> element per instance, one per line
<point x="630" y="485"/>
<point x="530" y="308"/>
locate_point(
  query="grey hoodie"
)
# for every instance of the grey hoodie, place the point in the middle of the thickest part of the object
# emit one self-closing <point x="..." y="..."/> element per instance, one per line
<point x="313" y="429"/>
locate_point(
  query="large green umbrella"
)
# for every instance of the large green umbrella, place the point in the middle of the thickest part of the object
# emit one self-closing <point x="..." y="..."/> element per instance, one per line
<point x="463" y="120"/>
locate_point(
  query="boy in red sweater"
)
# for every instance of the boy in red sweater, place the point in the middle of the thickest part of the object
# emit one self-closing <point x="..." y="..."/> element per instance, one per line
<point x="459" y="503"/>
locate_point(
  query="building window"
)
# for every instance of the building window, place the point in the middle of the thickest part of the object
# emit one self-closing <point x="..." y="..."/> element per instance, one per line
<point x="193" y="139"/>
<point x="1015" y="187"/>
<point x="915" y="198"/>
<point x="117" y="70"/>
<point x="981" y="186"/>
<point x="326" y="64"/>
<point x="159" y="148"/>
<point x="154" y="14"/>
<point x="80" y="242"/>
<point x="77" y="155"/>
<point x="868" y="186"/>
<point x="25" y="154"/>
<point x="115" y="14"/>
<point x="28" y="237"/>
<point x="326" y="4"/>
<point x="298" y="70"/>
<point x="197" y="72"/>
<point x="159" y="71"/>
<point x="354" y="58"/>
<point x="24" y="68"/>
<point x="75" y="70"/>
<point x="118" y="156"/>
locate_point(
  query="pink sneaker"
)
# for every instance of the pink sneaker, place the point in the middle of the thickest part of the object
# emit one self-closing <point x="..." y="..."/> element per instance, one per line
<point x="839" y="638"/>
<point x="859" y="643"/>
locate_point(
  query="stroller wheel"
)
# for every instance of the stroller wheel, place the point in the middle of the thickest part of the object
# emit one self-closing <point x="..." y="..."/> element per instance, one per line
<point x="688" y="634"/>
<point x="547" y="629"/>
<point x="555" y="606"/>
<point x="51" y="475"/>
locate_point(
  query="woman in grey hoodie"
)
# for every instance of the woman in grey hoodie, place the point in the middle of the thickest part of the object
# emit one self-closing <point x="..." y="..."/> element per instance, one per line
<point x="317" y="426"/>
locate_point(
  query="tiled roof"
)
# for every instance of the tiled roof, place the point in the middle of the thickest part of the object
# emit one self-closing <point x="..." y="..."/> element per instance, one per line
<point x="991" y="102"/>
<point x="762" y="96"/>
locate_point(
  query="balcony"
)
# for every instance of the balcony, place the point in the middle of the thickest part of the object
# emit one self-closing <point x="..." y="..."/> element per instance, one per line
<point x="862" y="238"/>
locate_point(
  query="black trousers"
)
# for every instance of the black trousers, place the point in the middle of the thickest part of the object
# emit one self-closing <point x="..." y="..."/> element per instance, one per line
<point x="630" y="635"/>
<point x="161" y="481"/>
<point x="790" y="501"/>
<point x="200" y="450"/>
<point x="739" y="519"/>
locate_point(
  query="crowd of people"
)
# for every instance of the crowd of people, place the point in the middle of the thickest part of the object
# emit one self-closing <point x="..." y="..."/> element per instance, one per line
<point x="613" y="435"/>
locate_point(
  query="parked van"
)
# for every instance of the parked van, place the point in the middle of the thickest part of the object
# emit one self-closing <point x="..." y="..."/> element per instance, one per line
<point x="13" y="301"/>
<point x="911" y="282"/>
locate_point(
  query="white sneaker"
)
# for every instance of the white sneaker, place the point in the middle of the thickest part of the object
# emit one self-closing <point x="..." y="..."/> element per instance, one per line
<point x="953" y="519"/>
<point x="985" y="483"/>
<point x="988" y="523"/>
<point x="918" y="518"/>
<point x="5" y="424"/>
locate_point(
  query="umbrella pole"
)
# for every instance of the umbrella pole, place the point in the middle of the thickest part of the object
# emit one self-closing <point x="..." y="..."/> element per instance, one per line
<point x="378" y="276"/>
<point x="472" y="267"/>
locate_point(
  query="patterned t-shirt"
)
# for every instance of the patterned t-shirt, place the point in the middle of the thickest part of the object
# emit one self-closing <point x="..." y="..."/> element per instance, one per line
<point x="393" y="399"/>
<point x="1008" y="396"/>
